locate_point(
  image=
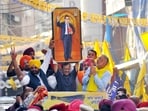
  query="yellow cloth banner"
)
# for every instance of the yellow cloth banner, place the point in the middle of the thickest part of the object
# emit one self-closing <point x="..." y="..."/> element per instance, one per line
<point x="93" y="17"/>
<point x="91" y="99"/>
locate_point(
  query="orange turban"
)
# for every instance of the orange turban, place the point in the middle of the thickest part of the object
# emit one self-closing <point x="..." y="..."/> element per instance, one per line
<point x="24" y="59"/>
<point x="80" y="75"/>
<point x="35" y="62"/>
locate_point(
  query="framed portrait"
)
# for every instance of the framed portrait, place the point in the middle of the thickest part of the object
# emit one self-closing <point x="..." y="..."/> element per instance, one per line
<point x="66" y="24"/>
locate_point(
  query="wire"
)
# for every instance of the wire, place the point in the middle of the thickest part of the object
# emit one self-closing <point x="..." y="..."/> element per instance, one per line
<point x="36" y="22"/>
<point x="23" y="5"/>
<point x="9" y="4"/>
<point x="12" y="8"/>
<point x="19" y="11"/>
<point x="12" y="4"/>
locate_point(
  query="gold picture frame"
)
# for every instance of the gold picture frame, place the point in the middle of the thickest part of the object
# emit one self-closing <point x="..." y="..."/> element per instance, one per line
<point x="59" y="51"/>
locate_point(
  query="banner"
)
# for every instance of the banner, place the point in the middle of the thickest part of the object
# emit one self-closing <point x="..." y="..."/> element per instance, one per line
<point x="89" y="98"/>
<point x="92" y="17"/>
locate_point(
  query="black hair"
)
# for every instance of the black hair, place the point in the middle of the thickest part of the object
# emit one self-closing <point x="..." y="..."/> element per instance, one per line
<point x="123" y="96"/>
<point x="64" y="64"/>
<point x="66" y="16"/>
<point x="93" y="51"/>
<point x="122" y="89"/>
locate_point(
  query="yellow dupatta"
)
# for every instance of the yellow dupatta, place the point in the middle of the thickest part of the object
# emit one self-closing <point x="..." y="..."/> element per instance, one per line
<point x="91" y="86"/>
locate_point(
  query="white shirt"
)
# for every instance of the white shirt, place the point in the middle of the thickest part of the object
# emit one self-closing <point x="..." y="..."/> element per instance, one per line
<point x="44" y="67"/>
<point x="66" y="28"/>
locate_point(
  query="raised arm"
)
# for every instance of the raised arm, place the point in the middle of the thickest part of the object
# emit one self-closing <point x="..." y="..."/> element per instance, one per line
<point x="58" y="21"/>
<point x="47" y="57"/>
<point x="10" y="70"/>
<point x="17" y="69"/>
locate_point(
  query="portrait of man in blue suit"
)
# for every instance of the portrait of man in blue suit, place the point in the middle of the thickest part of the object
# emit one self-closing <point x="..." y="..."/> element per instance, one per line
<point x="67" y="31"/>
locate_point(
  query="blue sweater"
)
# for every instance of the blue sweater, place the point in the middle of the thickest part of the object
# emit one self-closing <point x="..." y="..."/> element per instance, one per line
<point x="66" y="82"/>
<point x="35" y="82"/>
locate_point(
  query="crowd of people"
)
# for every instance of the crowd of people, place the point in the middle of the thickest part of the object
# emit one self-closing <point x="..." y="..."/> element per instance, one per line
<point x="38" y="77"/>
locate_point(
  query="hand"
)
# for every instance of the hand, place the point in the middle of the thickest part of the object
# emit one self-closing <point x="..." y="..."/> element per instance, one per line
<point x="77" y="66"/>
<point x="44" y="51"/>
<point x="55" y="68"/>
<point x="71" y="32"/>
<point x="13" y="53"/>
<point x="115" y="72"/>
<point x="39" y="89"/>
<point x="58" y="18"/>
<point x="51" y="44"/>
<point x="93" y="70"/>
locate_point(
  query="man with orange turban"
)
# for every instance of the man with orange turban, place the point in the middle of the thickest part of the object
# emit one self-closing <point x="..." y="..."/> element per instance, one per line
<point x="24" y="62"/>
<point x="37" y="72"/>
<point x="24" y="65"/>
<point x="28" y="54"/>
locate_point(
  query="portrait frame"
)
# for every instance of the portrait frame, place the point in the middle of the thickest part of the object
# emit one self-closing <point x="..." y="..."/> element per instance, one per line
<point x="76" y="44"/>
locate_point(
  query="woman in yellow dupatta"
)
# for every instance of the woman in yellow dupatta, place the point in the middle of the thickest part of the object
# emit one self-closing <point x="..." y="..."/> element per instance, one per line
<point x="97" y="77"/>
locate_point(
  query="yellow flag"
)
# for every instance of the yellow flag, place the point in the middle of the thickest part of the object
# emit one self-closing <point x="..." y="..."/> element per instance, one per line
<point x="97" y="48"/>
<point x="126" y="81"/>
<point x="106" y="51"/>
<point x="145" y="97"/>
<point x="140" y="87"/>
<point x="144" y="38"/>
<point x="127" y="55"/>
<point x="11" y="82"/>
<point x="127" y="85"/>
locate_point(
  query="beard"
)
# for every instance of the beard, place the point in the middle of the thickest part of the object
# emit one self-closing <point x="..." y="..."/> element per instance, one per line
<point x="27" y="69"/>
<point x="35" y="72"/>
